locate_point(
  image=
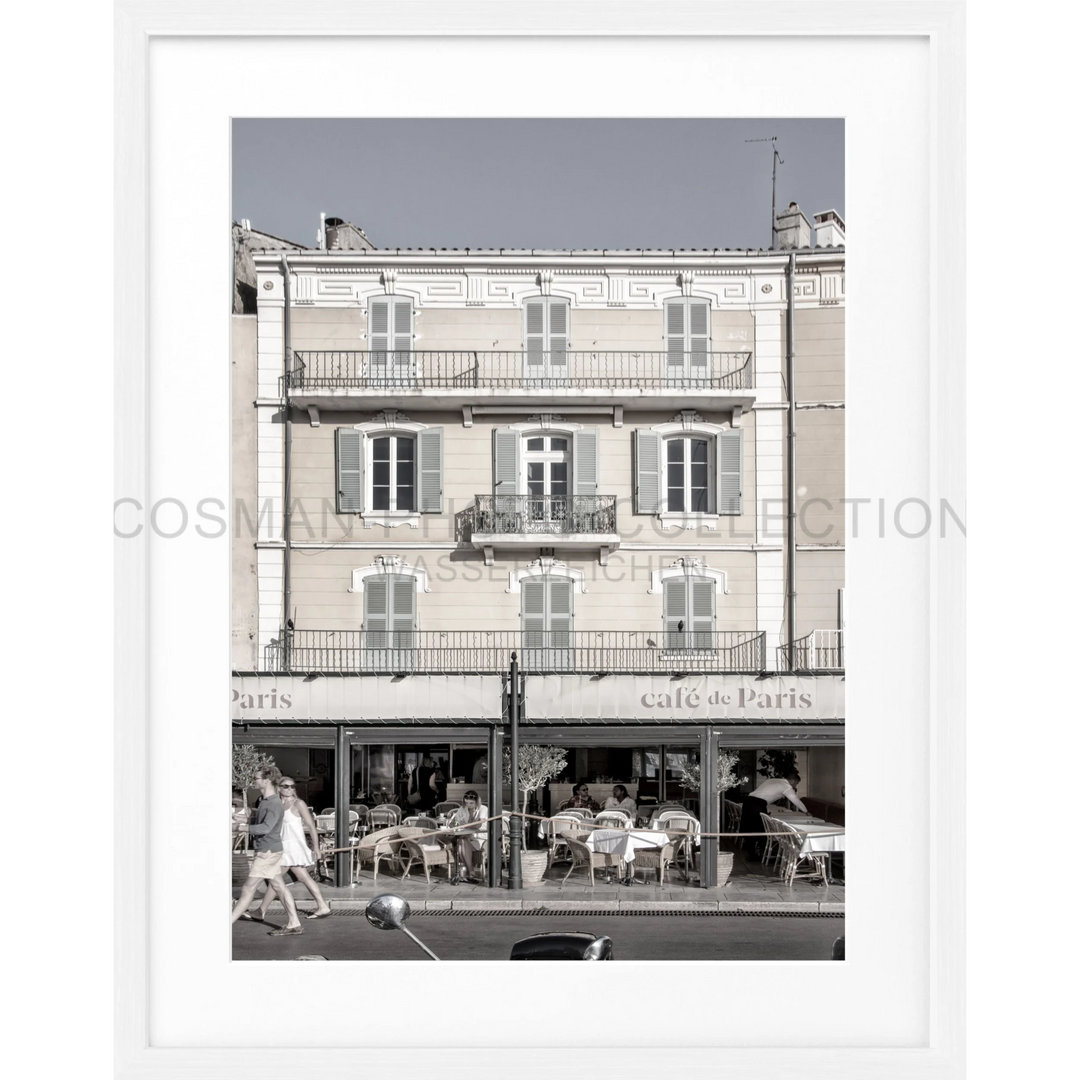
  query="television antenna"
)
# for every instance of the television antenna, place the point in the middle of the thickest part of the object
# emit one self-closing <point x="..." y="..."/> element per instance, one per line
<point x="776" y="160"/>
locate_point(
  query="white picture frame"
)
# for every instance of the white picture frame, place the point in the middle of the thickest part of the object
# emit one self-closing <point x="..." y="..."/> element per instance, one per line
<point x="143" y="663"/>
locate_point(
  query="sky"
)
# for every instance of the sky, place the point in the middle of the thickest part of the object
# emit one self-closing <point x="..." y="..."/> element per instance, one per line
<point x="534" y="183"/>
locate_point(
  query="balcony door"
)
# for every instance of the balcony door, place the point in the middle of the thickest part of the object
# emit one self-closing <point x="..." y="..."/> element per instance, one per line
<point x="390" y="623"/>
<point x="390" y="339"/>
<point x="547" y="321"/>
<point x="547" y="461"/>
<point x="547" y="623"/>
<point x="687" y="332"/>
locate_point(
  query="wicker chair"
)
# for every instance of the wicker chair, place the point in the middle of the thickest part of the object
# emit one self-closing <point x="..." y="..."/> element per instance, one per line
<point x="445" y="807"/>
<point x="791" y="842"/>
<point x="582" y="856"/>
<point x="427" y="853"/>
<point x="383" y="817"/>
<point x="655" y="858"/>
<point x="561" y="826"/>
<point x="383" y="846"/>
<point x="682" y="824"/>
<point x="612" y="819"/>
<point x="772" y="849"/>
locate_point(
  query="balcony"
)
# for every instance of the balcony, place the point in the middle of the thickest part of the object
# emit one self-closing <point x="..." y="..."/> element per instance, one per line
<point x="820" y="650"/>
<point x="565" y="522"/>
<point x="346" y="379"/>
<point x="483" y="652"/>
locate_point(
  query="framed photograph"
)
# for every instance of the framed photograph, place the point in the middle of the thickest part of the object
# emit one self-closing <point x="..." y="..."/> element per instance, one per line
<point x="894" y="73"/>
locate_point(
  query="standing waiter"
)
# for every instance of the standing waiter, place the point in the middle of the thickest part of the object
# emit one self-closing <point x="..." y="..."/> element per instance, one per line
<point x="757" y="802"/>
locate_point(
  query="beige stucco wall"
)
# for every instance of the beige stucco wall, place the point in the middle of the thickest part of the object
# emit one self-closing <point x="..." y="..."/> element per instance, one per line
<point x="467" y="595"/>
<point x="818" y="577"/>
<point x="245" y="590"/>
<point x="467" y="471"/>
<point x="484" y="329"/>
<point x="819" y="478"/>
<point x="819" y="353"/>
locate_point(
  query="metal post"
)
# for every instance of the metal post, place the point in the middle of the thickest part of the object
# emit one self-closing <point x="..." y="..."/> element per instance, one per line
<point x="514" y="877"/>
<point x="707" y="856"/>
<point x="342" y="776"/>
<point x="791" y="481"/>
<point x="495" y="802"/>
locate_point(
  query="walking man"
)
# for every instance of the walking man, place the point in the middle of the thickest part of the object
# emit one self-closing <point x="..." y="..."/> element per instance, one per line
<point x="265" y="832"/>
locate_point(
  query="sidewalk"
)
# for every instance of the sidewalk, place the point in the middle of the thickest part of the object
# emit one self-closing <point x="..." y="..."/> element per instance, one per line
<point x="750" y="890"/>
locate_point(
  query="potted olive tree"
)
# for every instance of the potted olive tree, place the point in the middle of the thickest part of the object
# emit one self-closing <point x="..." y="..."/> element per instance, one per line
<point x="726" y="763"/>
<point x="247" y="763"/>
<point x="536" y="766"/>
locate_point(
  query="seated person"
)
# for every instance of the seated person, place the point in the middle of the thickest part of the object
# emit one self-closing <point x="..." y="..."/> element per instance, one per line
<point x="620" y="800"/>
<point x="580" y="799"/>
<point x="241" y="815"/>
<point x="472" y="814"/>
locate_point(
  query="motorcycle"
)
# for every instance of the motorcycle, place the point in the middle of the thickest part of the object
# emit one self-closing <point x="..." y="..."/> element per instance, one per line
<point x="390" y="912"/>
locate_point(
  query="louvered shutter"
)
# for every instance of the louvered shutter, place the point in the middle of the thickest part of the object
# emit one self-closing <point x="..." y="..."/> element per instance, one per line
<point x="558" y="330"/>
<point x="534" y="337"/>
<point x="402" y="338"/>
<point x="586" y="453"/>
<point x="402" y="610"/>
<point x="730" y="472"/>
<point x="675" y="612"/>
<point x="702" y="611"/>
<point x="699" y="339"/>
<point x="379" y="336"/>
<point x="429" y="450"/>
<point x="560" y="612"/>
<point x="647" y="472"/>
<point x="533" y="609"/>
<point x="350" y="471"/>
<point x="376" y="611"/>
<point x="676" y="336"/>
<point x="507" y="467"/>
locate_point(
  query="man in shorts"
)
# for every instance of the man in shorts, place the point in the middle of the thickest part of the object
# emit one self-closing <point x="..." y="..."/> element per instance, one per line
<point x="265" y="832"/>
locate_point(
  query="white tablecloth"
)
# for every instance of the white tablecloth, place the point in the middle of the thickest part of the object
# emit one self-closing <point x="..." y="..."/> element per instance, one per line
<point x="624" y="842"/>
<point x="823" y="837"/>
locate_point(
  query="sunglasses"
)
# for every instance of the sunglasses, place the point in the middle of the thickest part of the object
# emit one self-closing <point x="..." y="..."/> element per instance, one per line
<point x="287" y="785"/>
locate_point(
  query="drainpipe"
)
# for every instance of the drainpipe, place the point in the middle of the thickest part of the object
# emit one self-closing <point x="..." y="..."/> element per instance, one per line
<point x="286" y="529"/>
<point x="791" y="459"/>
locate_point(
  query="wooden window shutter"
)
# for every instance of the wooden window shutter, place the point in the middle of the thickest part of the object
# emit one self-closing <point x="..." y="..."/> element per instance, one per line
<point x="379" y="325"/>
<point x="560" y="620"/>
<point x="507" y="470"/>
<point x="350" y="471"/>
<point x="586" y="453"/>
<point x="429" y="450"/>
<point x="702" y="611"/>
<point x="534" y="332"/>
<point x="402" y="609"/>
<point x="402" y="329"/>
<point x="376" y="610"/>
<point x="675" y="613"/>
<point x="558" y="331"/>
<point x="730" y="472"/>
<point x="647" y="472"/>
<point x="699" y="337"/>
<point x="675" y="314"/>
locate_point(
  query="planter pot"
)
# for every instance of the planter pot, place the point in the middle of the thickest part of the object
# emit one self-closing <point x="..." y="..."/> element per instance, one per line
<point x="723" y="867"/>
<point x="533" y="865"/>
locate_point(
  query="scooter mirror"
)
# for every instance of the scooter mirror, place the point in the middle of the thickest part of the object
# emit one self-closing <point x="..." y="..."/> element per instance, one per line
<point x="388" y="912"/>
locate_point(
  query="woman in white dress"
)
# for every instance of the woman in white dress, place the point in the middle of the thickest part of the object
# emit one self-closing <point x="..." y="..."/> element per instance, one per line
<point x="296" y="855"/>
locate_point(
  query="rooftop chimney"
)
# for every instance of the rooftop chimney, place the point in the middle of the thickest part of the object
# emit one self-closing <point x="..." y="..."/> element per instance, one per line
<point x="792" y="228"/>
<point x="342" y="236"/>
<point x="829" y="229"/>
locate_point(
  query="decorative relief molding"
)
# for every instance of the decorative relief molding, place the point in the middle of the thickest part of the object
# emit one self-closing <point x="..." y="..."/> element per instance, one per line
<point x="735" y="291"/>
<point x="546" y="566"/>
<point x="389" y="564"/>
<point x="689" y="567"/>
<point x="389" y="280"/>
<point x="685" y="281"/>
<point x="543" y="279"/>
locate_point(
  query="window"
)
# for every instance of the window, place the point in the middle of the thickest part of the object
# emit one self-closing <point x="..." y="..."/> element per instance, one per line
<point x="688" y="471"/>
<point x="686" y="323"/>
<point x="547" y="477"/>
<point x="689" y="613"/>
<point x="389" y="475"/>
<point x="390" y="340"/>
<point x="547" y="322"/>
<point x="393" y="472"/>
<point x="538" y="463"/>
<point x="390" y="622"/>
<point x="547" y="623"/>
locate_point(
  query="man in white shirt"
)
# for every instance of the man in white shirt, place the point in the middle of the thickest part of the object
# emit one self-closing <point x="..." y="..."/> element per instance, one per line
<point x="757" y="802"/>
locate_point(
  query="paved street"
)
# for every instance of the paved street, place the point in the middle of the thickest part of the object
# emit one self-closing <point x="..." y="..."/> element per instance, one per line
<point x="642" y="937"/>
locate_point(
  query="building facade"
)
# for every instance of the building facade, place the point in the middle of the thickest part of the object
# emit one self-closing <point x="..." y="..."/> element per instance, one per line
<point x="584" y="458"/>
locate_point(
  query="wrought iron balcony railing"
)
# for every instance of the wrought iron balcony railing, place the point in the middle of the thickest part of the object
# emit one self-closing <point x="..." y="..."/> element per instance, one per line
<point x="820" y="650"/>
<point x="478" y="652"/>
<point x="520" y="369"/>
<point x="511" y="515"/>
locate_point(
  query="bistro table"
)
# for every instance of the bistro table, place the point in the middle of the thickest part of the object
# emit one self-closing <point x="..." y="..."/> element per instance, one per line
<point x="624" y="842"/>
